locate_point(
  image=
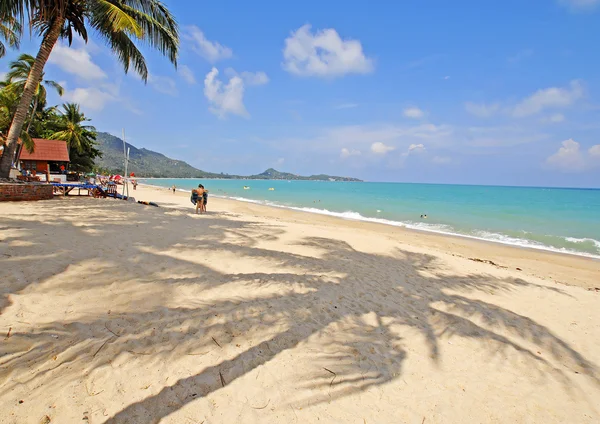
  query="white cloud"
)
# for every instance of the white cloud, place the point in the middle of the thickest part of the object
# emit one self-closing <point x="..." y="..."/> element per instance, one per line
<point x="2" y="76"/>
<point x="579" y="5"/>
<point x="249" y="78"/>
<point x="255" y="78"/>
<point x="469" y="140"/>
<point x="377" y="139"/>
<point x="501" y="136"/>
<point x="380" y="148"/>
<point x="554" y="119"/>
<point x="541" y="100"/>
<point x="225" y="99"/>
<point x="549" y="98"/>
<point x="413" y="151"/>
<point x="482" y="110"/>
<point x="570" y="157"/>
<point x="416" y="148"/>
<point x="363" y="135"/>
<point x="98" y="97"/>
<point x="162" y="84"/>
<point x="93" y="98"/>
<point x="441" y="160"/>
<point x="209" y="50"/>
<point x="76" y="61"/>
<point x="413" y="112"/>
<point x="346" y="153"/>
<point x="346" y="106"/>
<point x="280" y="161"/>
<point x="323" y="54"/>
<point x="447" y="77"/>
<point x="187" y="74"/>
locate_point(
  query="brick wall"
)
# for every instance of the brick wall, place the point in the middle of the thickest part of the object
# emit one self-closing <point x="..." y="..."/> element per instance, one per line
<point x="12" y="192"/>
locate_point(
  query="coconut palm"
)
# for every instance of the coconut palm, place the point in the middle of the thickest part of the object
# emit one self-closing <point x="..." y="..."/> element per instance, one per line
<point x="69" y="127"/>
<point x="17" y="77"/>
<point x="10" y="32"/>
<point x="9" y="100"/>
<point x="8" y="104"/>
<point x="118" y="22"/>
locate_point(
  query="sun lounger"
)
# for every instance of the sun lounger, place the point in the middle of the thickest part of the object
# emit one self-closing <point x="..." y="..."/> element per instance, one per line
<point x="110" y="191"/>
<point x="65" y="188"/>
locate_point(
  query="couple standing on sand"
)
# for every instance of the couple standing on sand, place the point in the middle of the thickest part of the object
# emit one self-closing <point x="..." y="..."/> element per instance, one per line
<point x="200" y="198"/>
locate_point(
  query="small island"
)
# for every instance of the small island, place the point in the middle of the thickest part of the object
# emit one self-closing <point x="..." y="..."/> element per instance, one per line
<point x="273" y="174"/>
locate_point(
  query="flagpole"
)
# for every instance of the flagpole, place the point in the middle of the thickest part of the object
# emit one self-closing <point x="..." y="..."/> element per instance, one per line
<point x="126" y="155"/>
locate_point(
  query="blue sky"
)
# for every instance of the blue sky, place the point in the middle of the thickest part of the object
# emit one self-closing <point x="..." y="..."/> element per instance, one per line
<point x="502" y="92"/>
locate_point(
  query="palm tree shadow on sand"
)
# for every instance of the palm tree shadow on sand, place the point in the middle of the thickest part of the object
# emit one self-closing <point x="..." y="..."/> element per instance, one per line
<point x="363" y="313"/>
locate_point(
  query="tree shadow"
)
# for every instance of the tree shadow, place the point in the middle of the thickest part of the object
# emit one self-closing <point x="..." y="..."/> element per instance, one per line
<point x="359" y="303"/>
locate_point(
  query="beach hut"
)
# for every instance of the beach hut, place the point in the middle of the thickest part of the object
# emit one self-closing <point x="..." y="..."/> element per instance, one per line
<point x="47" y="157"/>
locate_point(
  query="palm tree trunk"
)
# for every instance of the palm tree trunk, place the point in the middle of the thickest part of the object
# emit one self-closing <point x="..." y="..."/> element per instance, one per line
<point x="35" y="105"/>
<point x="20" y="147"/>
<point x="50" y="39"/>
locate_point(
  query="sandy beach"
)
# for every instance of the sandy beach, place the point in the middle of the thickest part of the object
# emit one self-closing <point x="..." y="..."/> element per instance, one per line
<point x="117" y="312"/>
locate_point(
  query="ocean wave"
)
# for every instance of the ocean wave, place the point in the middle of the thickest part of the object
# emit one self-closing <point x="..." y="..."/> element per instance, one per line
<point x="436" y="228"/>
<point x="584" y="240"/>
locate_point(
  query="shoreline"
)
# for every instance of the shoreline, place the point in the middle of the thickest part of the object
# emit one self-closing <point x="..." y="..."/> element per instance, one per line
<point x="396" y="224"/>
<point x="502" y="254"/>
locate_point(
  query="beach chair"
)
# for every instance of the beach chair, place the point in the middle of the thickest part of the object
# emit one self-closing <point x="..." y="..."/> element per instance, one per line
<point x="111" y="190"/>
<point x="66" y="188"/>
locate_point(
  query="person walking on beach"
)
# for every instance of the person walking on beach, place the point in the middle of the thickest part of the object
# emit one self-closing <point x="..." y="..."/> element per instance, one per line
<point x="173" y="188"/>
<point x="198" y="198"/>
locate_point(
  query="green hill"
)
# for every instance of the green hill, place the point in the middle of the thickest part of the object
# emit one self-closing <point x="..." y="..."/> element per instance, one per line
<point x="146" y="163"/>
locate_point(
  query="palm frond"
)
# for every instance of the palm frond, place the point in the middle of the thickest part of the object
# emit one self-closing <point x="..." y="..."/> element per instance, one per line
<point x="127" y="52"/>
<point x="59" y="88"/>
<point x="27" y="142"/>
<point x="68" y="127"/>
<point x="17" y="10"/>
<point x="10" y="32"/>
<point x="158" y="30"/>
<point x="112" y="13"/>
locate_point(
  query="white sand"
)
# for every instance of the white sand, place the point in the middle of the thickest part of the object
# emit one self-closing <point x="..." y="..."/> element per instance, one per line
<point x="124" y="313"/>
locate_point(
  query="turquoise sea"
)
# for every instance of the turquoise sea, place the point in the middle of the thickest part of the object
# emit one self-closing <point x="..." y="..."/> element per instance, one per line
<point x="558" y="219"/>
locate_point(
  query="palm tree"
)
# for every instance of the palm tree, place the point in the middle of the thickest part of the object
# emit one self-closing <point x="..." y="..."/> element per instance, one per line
<point x="118" y="22"/>
<point x="9" y="100"/>
<point x="68" y="127"/>
<point x="17" y="77"/>
<point x="10" y="31"/>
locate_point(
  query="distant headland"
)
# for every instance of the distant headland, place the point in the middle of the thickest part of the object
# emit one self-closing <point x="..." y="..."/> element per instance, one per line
<point x="147" y="163"/>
